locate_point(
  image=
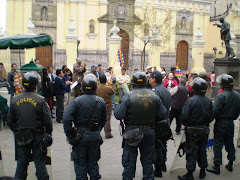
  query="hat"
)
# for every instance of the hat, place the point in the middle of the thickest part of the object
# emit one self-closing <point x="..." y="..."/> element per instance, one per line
<point x="163" y="72"/>
<point x="157" y="76"/>
<point x="93" y="66"/>
<point x="149" y="67"/>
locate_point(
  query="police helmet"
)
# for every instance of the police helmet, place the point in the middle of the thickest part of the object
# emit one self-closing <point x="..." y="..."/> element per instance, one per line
<point x="139" y="79"/>
<point x="89" y="84"/>
<point x="227" y="82"/>
<point x="200" y="86"/>
<point x="30" y="81"/>
<point x="157" y="76"/>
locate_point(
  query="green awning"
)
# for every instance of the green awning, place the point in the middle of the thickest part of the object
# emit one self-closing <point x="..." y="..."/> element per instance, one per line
<point x="31" y="67"/>
<point x="25" y="41"/>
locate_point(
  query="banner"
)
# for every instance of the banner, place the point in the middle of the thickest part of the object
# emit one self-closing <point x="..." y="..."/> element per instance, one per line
<point x="120" y="58"/>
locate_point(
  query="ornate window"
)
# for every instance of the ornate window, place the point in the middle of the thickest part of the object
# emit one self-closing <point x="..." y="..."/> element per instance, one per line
<point x="183" y="22"/>
<point x="44" y="13"/>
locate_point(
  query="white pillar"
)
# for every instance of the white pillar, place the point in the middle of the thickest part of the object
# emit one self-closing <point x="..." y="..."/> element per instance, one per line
<point x="198" y="53"/>
<point x="114" y="45"/>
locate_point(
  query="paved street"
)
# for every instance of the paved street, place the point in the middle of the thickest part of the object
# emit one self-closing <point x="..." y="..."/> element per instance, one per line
<point x="110" y="163"/>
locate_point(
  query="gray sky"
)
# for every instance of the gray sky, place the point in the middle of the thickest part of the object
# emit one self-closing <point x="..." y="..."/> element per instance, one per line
<point x="3" y="9"/>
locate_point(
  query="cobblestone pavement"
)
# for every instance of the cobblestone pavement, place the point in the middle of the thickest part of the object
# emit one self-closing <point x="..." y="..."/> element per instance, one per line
<point x="110" y="163"/>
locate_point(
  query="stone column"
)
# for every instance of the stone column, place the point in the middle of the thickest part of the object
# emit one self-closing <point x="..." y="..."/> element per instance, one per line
<point x="114" y="45"/>
<point x="198" y="53"/>
<point x="154" y="57"/>
<point x="29" y="53"/>
<point x="71" y="46"/>
<point x="60" y="24"/>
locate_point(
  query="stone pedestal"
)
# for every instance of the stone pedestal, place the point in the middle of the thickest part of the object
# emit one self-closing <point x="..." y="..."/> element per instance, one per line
<point x="198" y="53"/>
<point x="227" y="66"/>
<point x="114" y="45"/>
<point x="71" y="46"/>
<point x="71" y="51"/>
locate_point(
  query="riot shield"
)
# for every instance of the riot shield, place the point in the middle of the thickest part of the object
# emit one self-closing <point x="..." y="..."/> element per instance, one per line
<point x="180" y="157"/>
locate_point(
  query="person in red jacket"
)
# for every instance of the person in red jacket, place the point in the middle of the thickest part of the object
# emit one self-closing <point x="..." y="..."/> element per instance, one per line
<point x="170" y="82"/>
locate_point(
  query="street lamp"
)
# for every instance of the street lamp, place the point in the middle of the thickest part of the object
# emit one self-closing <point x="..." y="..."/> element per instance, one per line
<point x="78" y="42"/>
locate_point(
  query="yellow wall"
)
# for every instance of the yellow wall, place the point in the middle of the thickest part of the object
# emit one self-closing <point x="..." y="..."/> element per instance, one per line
<point x="18" y="12"/>
<point x="82" y="13"/>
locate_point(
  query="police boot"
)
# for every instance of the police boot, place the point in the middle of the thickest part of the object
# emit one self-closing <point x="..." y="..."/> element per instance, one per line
<point x="158" y="171"/>
<point x="202" y="174"/>
<point x="215" y="169"/>
<point x="188" y="176"/>
<point x="229" y="166"/>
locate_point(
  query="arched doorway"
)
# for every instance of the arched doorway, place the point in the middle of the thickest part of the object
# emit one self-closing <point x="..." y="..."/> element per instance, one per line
<point x="124" y="46"/>
<point x="182" y="55"/>
<point x="45" y="55"/>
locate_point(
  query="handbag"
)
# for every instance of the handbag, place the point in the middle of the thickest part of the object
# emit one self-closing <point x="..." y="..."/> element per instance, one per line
<point x="24" y="137"/>
<point x="133" y="137"/>
<point x="195" y="133"/>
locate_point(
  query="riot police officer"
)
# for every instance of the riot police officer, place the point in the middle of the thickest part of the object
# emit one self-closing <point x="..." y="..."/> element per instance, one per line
<point x="29" y="115"/>
<point x="226" y="109"/>
<point x="88" y="113"/>
<point x="140" y="109"/>
<point x="196" y="116"/>
<point x="162" y="133"/>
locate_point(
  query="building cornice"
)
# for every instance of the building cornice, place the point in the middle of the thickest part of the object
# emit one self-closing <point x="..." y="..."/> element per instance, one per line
<point x="79" y="1"/>
<point x="103" y="3"/>
<point x="202" y="1"/>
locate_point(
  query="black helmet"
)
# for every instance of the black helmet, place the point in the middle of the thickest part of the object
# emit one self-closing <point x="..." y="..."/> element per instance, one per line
<point x="200" y="86"/>
<point x="157" y="75"/>
<point x="227" y="82"/>
<point x="89" y="84"/>
<point x="30" y="81"/>
<point x="139" y="79"/>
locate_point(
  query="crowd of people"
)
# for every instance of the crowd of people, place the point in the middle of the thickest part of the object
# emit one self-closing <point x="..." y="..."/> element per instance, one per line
<point x="148" y="103"/>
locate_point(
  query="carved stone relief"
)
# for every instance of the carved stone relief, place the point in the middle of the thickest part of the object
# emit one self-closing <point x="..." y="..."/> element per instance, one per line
<point x="120" y="11"/>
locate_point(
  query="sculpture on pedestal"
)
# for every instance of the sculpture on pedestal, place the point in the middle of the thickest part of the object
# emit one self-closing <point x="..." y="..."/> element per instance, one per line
<point x="226" y="36"/>
<point x="92" y="28"/>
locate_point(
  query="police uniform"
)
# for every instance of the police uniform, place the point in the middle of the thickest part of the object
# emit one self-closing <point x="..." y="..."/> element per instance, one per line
<point x="140" y="109"/>
<point x="161" y="147"/>
<point x="226" y="109"/>
<point x="196" y="114"/>
<point x="29" y="111"/>
<point x="88" y="113"/>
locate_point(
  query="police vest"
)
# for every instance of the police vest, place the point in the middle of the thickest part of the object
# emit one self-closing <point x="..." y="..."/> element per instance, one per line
<point x="142" y="107"/>
<point x="28" y="108"/>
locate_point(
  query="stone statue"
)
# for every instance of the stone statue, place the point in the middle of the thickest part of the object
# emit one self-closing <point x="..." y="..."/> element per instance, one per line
<point x="146" y="30"/>
<point x="92" y="28"/>
<point x="226" y="36"/>
<point x="44" y="15"/>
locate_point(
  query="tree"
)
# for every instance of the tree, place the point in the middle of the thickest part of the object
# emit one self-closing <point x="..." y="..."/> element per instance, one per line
<point x="152" y="29"/>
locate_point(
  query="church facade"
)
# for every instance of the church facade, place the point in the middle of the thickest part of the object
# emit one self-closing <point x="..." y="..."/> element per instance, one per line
<point x="164" y="28"/>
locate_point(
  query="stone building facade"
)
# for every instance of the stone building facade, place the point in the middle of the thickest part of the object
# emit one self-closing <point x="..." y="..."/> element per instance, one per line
<point x="175" y="22"/>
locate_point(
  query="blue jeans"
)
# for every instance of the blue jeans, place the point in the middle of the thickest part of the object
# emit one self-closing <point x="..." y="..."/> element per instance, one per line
<point x="113" y="100"/>
<point x="129" y="157"/>
<point x="86" y="156"/>
<point x="39" y="157"/>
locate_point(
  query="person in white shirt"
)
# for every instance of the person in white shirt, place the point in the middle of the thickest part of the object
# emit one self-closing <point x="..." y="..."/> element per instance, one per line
<point x="122" y="79"/>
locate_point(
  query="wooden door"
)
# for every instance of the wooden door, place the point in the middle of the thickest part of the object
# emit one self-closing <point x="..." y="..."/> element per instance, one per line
<point x="124" y="46"/>
<point x="182" y="55"/>
<point x="45" y="55"/>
